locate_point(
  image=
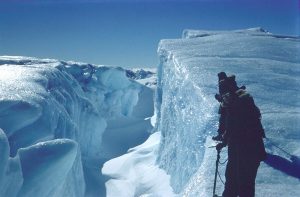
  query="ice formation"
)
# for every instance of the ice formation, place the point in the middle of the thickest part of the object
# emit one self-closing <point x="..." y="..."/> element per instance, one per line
<point x="269" y="66"/>
<point x="62" y="120"/>
<point x="63" y="123"/>
<point x="186" y="114"/>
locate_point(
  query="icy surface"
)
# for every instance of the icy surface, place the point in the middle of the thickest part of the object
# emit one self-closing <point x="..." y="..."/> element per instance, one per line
<point x="52" y="162"/>
<point x="62" y="120"/>
<point x="135" y="173"/>
<point x="11" y="178"/>
<point x="269" y="66"/>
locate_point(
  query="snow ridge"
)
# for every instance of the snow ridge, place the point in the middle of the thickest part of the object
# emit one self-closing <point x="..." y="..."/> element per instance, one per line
<point x="54" y="116"/>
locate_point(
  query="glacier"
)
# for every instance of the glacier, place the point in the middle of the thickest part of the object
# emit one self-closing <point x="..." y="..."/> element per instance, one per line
<point x="61" y="120"/>
<point x="267" y="64"/>
<point x="76" y="129"/>
<point x="186" y="115"/>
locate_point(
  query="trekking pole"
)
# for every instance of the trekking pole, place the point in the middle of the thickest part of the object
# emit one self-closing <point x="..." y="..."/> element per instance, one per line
<point x="293" y="158"/>
<point x="273" y="144"/>
<point x="216" y="173"/>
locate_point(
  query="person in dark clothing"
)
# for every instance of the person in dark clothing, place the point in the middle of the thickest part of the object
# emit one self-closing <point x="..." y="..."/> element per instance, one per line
<point x="222" y="91"/>
<point x="244" y="136"/>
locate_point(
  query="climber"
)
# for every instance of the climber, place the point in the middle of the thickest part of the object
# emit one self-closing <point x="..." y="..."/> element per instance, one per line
<point x="221" y="80"/>
<point x="243" y="133"/>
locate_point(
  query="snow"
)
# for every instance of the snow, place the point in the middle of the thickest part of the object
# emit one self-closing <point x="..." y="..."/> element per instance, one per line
<point x="10" y="171"/>
<point x="62" y="120"/>
<point x="135" y="173"/>
<point x="76" y="129"/>
<point x="145" y="76"/>
<point x="186" y="114"/>
<point x="52" y="161"/>
<point x="269" y="66"/>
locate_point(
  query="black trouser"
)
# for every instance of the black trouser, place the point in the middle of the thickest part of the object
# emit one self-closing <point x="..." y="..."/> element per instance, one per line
<point x="240" y="174"/>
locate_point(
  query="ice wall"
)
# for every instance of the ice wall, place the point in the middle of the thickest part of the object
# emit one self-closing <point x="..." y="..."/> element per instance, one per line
<point x="45" y="100"/>
<point x="269" y="66"/>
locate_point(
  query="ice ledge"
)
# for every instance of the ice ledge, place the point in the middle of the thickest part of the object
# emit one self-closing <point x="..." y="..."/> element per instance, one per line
<point x="191" y="33"/>
<point x="256" y="31"/>
<point x="254" y="43"/>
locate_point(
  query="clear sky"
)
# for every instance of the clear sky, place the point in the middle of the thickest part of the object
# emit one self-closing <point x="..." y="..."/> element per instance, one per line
<point x="126" y="33"/>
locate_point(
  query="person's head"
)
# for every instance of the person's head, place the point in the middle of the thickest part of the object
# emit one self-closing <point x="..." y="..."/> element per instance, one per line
<point x="231" y="84"/>
<point x="221" y="76"/>
<point x="223" y="89"/>
<point x="227" y="84"/>
<point x="221" y="79"/>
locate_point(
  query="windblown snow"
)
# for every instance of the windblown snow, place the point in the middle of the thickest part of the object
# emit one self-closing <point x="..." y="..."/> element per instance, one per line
<point x="76" y="129"/>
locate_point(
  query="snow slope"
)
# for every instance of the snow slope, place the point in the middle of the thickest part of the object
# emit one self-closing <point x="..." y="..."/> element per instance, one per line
<point x="269" y="66"/>
<point x="62" y="120"/>
<point x="136" y="173"/>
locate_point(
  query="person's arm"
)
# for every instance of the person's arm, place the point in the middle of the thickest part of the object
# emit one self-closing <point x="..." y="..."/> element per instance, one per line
<point x="220" y="146"/>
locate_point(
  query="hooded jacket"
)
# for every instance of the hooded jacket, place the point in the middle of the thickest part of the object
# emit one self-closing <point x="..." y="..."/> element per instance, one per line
<point x="243" y="124"/>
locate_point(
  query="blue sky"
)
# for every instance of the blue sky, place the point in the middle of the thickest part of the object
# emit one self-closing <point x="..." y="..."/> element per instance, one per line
<point x="126" y="33"/>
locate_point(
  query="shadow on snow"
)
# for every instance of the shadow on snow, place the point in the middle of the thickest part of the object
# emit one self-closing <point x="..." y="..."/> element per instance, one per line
<point x="290" y="167"/>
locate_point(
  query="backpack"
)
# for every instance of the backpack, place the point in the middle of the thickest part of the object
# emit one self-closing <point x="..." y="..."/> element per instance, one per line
<point x="251" y="113"/>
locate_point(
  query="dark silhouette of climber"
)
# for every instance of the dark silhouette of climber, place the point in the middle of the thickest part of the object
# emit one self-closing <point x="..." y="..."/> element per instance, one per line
<point x="222" y="91"/>
<point x="243" y="133"/>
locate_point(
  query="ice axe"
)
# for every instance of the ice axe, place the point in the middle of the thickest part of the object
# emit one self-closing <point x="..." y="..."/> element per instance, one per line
<point x="218" y="148"/>
<point x="216" y="172"/>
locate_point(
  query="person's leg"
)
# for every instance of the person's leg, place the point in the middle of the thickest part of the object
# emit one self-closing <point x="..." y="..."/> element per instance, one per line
<point x="247" y="174"/>
<point x="231" y="175"/>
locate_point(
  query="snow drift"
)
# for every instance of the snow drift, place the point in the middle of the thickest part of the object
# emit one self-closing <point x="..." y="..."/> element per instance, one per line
<point x="136" y="173"/>
<point x="61" y="121"/>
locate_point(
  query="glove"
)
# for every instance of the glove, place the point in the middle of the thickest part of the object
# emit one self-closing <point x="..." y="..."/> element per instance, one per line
<point x="220" y="146"/>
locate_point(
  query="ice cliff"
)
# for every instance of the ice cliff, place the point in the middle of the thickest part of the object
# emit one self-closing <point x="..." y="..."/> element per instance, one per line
<point x="177" y="155"/>
<point x="60" y="121"/>
<point x="269" y="66"/>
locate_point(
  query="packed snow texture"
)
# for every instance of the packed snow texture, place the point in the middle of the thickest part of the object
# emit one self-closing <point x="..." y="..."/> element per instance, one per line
<point x="136" y="174"/>
<point x="62" y="120"/>
<point x="268" y="65"/>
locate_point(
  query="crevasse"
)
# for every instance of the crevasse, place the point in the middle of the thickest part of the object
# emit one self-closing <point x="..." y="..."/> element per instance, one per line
<point x="54" y="116"/>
